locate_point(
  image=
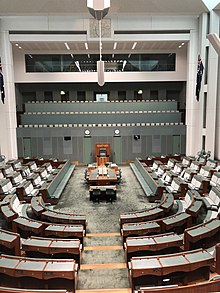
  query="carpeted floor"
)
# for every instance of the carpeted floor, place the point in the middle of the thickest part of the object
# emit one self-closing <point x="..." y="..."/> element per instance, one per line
<point x="102" y="218"/>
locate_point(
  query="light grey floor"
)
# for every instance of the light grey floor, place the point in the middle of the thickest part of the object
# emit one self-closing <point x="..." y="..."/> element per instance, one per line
<point x="102" y="218"/>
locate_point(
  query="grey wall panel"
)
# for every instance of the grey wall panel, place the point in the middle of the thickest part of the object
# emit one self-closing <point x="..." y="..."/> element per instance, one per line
<point x="169" y="144"/>
<point x="163" y="144"/>
<point x="183" y="144"/>
<point x="47" y="146"/>
<point x="40" y="146"/>
<point x="54" y="147"/>
<point x="20" y="147"/>
<point x="60" y="148"/>
<point x="34" y="146"/>
<point x="136" y="146"/>
<point x="103" y="135"/>
<point x="101" y="106"/>
<point x="143" y="151"/>
<point x="125" y="148"/>
<point x="148" y="150"/>
<point x="101" y="118"/>
<point x="80" y="149"/>
<point x="67" y="147"/>
<point x="75" y="148"/>
<point x="156" y="144"/>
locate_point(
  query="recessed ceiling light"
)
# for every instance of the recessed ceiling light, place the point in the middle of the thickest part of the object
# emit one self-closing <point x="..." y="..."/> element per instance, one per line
<point x="16" y="45"/>
<point x="182" y="44"/>
<point x="62" y="93"/>
<point x="19" y="47"/>
<point x="67" y="46"/>
<point x="115" y="46"/>
<point x="134" y="45"/>
<point x="86" y="46"/>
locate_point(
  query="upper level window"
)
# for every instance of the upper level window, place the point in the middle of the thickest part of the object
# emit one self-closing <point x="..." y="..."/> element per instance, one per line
<point x="113" y="63"/>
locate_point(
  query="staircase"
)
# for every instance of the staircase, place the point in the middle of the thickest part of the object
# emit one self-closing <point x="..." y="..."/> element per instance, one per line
<point x="103" y="267"/>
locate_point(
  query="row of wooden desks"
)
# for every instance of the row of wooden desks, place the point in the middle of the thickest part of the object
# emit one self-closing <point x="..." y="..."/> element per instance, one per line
<point x="11" y="243"/>
<point x="38" y="272"/>
<point x="176" y="223"/>
<point x="180" y="268"/>
<point x="152" y="245"/>
<point x="27" y="227"/>
<point x="39" y="247"/>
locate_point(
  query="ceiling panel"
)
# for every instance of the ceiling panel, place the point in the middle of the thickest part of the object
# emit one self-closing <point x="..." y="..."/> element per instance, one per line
<point x="71" y="7"/>
<point x="79" y="47"/>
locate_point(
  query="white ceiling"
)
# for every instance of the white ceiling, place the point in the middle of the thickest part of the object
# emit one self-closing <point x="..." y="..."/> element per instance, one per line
<point x="128" y="7"/>
<point x="79" y="47"/>
<point x="70" y="7"/>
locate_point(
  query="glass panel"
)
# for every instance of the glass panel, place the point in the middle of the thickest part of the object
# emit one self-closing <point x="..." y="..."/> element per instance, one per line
<point x="113" y="63"/>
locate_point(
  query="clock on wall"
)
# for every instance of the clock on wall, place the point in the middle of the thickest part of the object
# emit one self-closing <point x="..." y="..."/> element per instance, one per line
<point x="87" y="132"/>
<point x="117" y="131"/>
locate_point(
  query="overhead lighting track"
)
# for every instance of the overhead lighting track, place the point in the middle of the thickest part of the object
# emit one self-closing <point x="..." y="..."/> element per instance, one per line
<point x="161" y="32"/>
<point x="47" y="32"/>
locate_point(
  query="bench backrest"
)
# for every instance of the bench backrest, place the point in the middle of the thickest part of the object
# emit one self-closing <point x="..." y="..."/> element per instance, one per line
<point x="175" y="184"/>
<point x="16" y="178"/>
<point x="15" y="203"/>
<point x="214" y="194"/>
<point x="211" y="163"/>
<point x="37" y="179"/>
<point x="28" y="187"/>
<point x="195" y="166"/>
<point x="3" y="185"/>
<point x="205" y="171"/>
<point x="32" y="165"/>
<point x="188" y="198"/>
<point x="8" y="169"/>
<point x="168" y="178"/>
<point x="215" y="178"/>
<point x="186" y="161"/>
<point x="1" y="175"/>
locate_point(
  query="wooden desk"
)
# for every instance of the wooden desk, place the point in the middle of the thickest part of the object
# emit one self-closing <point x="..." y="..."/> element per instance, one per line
<point x="44" y="213"/>
<point x="10" y="242"/>
<point x="203" y="235"/>
<point x="152" y="245"/>
<point x="176" y="223"/>
<point x="27" y="226"/>
<point x="38" y="246"/>
<point x="38" y="272"/>
<point x="8" y="213"/>
<point x="56" y="217"/>
<point x="19" y="290"/>
<point x="180" y="268"/>
<point x="102" y="176"/>
<point x="65" y="231"/>
<point x="136" y="229"/>
<point x="141" y="216"/>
